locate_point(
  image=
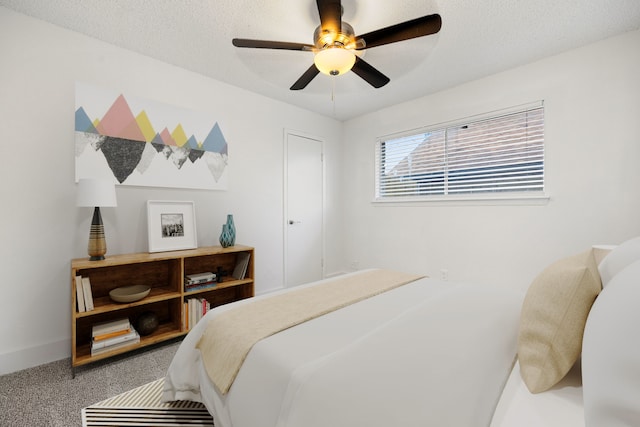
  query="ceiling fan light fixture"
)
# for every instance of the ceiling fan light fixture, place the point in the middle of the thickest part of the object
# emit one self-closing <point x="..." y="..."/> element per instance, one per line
<point x="334" y="61"/>
<point x="338" y="50"/>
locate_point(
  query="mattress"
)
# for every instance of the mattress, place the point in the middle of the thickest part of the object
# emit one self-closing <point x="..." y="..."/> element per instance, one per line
<point x="427" y="353"/>
<point x="561" y="406"/>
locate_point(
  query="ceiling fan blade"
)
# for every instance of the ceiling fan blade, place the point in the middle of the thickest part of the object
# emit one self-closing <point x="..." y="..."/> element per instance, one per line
<point x="266" y="44"/>
<point x="306" y="78"/>
<point x="372" y="76"/>
<point x="418" y="27"/>
<point x="330" y="14"/>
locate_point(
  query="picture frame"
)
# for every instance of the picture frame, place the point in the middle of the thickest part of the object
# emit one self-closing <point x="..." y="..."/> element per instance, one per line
<point x="171" y="225"/>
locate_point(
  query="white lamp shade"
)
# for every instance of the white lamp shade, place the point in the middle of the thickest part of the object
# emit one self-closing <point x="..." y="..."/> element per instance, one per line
<point x="96" y="193"/>
<point x="334" y="60"/>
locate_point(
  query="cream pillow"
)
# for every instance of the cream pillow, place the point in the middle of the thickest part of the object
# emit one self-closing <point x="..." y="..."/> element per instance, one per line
<point x="552" y="320"/>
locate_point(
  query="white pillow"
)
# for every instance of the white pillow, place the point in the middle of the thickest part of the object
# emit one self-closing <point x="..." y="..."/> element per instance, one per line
<point x="618" y="259"/>
<point x="611" y="353"/>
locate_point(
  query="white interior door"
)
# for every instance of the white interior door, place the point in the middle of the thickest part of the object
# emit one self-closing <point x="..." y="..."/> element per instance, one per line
<point x="304" y="217"/>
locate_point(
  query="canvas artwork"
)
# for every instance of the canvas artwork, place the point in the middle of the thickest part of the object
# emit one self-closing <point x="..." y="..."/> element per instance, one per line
<point x="139" y="142"/>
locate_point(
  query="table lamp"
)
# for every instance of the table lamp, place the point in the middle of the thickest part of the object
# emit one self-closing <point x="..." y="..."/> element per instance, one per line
<point x="96" y="193"/>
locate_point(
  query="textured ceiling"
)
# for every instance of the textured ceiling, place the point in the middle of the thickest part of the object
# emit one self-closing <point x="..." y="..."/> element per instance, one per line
<point x="478" y="38"/>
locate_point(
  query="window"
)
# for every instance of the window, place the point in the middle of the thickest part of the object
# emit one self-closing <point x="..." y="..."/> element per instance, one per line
<point x="479" y="157"/>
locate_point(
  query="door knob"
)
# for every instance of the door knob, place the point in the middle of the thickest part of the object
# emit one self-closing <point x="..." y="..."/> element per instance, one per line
<point x="291" y="222"/>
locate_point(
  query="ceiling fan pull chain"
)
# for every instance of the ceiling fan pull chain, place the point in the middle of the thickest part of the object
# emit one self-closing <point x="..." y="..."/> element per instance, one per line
<point x="333" y="89"/>
<point x="333" y="94"/>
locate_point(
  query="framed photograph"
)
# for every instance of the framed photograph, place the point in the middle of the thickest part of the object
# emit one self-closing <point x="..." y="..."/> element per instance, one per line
<point x="172" y="225"/>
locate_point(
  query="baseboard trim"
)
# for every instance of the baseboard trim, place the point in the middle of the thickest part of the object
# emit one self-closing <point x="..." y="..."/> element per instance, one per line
<point x="335" y="274"/>
<point x="34" y="356"/>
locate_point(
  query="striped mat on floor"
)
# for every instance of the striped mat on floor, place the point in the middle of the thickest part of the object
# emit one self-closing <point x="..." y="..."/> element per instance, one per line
<point x="142" y="407"/>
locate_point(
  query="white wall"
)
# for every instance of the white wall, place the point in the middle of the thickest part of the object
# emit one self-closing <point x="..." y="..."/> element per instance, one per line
<point x="42" y="228"/>
<point x="592" y="140"/>
<point x="592" y="101"/>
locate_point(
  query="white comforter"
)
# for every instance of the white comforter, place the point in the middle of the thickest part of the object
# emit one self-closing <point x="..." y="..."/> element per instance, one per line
<point x="429" y="353"/>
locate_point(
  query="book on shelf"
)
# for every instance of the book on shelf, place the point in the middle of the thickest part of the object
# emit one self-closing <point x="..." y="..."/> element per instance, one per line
<point x="193" y="279"/>
<point x="80" y="295"/>
<point x="185" y="316"/>
<point x="113" y="339"/>
<point x="242" y="262"/>
<point x="96" y="351"/>
<point x="199" y="286"/>
<point x="88" y="295"/>
<point x="195" y="309"/>
<point x="114" y="334"/>
<point x="99" y="342"/>
<point x="111" y="326"/>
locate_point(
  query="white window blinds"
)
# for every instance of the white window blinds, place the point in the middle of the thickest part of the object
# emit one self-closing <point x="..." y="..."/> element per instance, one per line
<point x="498" y="154"/>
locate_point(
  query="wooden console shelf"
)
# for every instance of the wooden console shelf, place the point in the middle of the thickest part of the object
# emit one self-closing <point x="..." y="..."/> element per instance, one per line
<point x="164" y="273"/>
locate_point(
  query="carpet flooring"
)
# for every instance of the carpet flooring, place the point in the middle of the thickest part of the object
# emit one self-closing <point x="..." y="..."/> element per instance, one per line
<point x="49" y="396"/>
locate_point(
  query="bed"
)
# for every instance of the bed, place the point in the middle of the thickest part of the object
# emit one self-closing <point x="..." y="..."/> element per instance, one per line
<point x="428" y="352"/>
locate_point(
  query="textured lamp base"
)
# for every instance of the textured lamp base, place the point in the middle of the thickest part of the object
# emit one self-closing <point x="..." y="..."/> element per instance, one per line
<point x="97" y="244"/>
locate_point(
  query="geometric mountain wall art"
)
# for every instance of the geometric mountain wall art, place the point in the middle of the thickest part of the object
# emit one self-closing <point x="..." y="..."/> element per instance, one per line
<point x="139" y="142"/>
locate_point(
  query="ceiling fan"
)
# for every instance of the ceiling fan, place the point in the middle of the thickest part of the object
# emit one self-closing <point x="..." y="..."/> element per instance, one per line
<point x="336" y="46"/>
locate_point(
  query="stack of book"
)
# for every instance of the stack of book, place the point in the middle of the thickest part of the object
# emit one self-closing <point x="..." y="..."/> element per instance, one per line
<point x="194" y="282"/>
<point x="112" y="335"/>
<point x="194" y="310"/>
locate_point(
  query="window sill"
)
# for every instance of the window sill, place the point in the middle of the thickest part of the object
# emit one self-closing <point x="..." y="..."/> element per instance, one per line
<point x="469" y="200"/>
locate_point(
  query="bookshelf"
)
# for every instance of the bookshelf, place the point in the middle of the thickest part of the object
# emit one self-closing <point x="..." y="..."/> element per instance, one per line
<point x="164" y="273"/>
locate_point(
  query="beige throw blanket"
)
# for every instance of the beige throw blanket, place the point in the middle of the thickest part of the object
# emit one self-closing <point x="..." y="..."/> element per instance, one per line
<point x="231" y="334"/>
